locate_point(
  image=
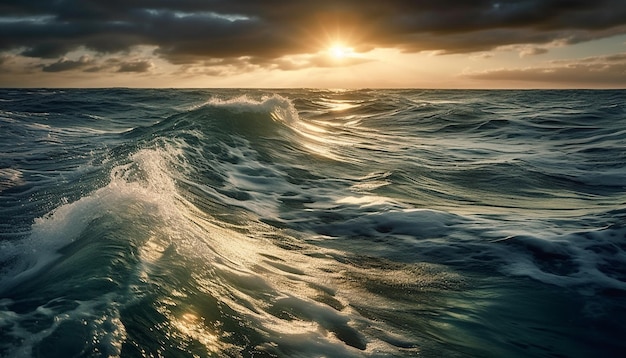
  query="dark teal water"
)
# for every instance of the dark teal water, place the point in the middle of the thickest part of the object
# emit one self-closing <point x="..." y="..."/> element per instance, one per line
<point x="310" y="223"/>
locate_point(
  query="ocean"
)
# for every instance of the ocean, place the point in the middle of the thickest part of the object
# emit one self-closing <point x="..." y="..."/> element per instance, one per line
<point x="312" y="223"/>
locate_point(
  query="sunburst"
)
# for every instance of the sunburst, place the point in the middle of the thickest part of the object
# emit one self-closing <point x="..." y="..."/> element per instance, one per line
<point x="339" y="51"/>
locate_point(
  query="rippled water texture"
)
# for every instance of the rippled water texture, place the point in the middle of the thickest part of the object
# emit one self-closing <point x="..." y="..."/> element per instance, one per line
<point x="308" y="223"/>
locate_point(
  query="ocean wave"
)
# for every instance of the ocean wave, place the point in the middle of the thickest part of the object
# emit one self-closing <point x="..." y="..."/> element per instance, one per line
<point x="305" y="222"/>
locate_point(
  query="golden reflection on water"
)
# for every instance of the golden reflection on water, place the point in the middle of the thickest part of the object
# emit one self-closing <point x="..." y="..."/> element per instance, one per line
<point x="191" y="326"/>
<point x="341" y="105"/>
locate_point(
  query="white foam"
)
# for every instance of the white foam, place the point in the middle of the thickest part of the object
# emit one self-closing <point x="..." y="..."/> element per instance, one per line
<point x="280" y="108"/>
<point x="145" y="186"/>
<point x="145" y="182"/>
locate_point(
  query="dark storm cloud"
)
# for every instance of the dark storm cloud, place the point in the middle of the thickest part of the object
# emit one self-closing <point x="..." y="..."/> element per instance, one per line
<point x="87" y="64"/>
<point x="68" y="65"/>
<point x="135" y="66"/>
<point x="188" y="31"/>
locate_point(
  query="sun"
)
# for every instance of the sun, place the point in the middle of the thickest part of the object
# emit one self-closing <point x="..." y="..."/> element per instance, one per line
<point x="339" y="51"/>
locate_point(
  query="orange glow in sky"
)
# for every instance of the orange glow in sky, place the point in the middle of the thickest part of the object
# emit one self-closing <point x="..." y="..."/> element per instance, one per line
<point x="340" y="51"/>
<point x="344" y="43"/>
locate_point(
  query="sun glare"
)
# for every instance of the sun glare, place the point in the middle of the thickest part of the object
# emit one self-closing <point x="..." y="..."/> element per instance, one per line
<point x="339" y="51"/>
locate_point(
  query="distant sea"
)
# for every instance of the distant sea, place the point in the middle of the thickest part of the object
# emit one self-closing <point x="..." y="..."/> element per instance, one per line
<point x="312" y="223"/>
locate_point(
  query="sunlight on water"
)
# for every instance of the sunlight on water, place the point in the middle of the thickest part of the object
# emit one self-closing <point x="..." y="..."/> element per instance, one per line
<point x="193" y="327"/>
<point x="313" y="223"/>
<point x="339" y="105"/>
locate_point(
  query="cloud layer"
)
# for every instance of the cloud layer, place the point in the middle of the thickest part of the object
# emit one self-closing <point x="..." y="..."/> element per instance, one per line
<point x="45" y="42"/>
<point x="597" y="70"/>
<point x="249" y="34"/>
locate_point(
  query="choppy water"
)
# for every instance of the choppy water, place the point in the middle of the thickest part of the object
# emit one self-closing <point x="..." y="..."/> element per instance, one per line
<point x="309" y="223"/>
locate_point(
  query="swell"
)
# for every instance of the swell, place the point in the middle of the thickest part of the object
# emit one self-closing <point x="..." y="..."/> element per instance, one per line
<point x="137" y="255"/>
<point x="239" y="226"/>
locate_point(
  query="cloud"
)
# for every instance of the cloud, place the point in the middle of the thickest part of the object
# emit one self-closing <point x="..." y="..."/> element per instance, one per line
<point x="135" y="66"/>
<point x="5" y="59"/>
<point x="191" y="31"/>
<point x="322" y="60"/>
<point x="233" y="66"/>
<point x="481" y="56"/>
<point x="67" y="65"/>
<point x="532" y="51"/>
<point x="87" y="64"/>
<point x="590" y="71"/>
<point x="189" y="38"/>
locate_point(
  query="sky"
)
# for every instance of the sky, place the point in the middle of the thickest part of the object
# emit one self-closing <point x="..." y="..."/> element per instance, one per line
<point x="313" y="44"/>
